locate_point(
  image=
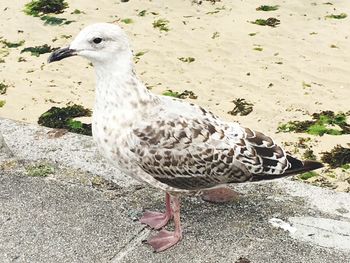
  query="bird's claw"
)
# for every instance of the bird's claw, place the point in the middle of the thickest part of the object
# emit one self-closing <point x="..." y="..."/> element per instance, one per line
<point x="164" y="240"/>
<point x="155" y="220"/>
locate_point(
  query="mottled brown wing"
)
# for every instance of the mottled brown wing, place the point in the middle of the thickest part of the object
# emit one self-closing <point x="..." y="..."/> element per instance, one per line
<point x="273" y="159"/>
<point x="194" y="154"/>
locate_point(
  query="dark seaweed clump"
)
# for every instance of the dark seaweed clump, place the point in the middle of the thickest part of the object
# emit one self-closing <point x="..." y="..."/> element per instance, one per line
<point x="55" y="21"/>
<point x="138" y="56"/>
<point x="272" y="22"/>
<point x="142" y="13"/>
<point x="161" y="24"/>
<point x="242" y="107"/>
<point x="322" y="123"/>
<point x="62" y="118"/>
<point x="38" y="50"/>
<point x="39" y="7"/>
<point x="309" y="154"/>
<point x="3" y="88"/>
<point x="183" y="95"/>
<point x="340" y="16"/>
<point x="339" y="156"/>
<point x="12" y="44"/>
<point x="267" y="8"/>
<point x="188" y="59"/>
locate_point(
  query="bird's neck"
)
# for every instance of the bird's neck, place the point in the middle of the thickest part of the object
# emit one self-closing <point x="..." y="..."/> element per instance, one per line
<point x="118" y="90"/>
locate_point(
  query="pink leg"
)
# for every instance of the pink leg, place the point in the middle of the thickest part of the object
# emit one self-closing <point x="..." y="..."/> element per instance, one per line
<point x="158" y="220"/>
<point x="166" y="239"/>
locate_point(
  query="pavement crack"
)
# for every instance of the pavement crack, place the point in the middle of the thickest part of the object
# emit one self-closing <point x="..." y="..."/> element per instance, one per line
<point x="134" y="241"/>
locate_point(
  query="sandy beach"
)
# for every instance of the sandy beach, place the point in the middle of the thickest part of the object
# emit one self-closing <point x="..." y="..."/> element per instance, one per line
<point x="288" y="72"/>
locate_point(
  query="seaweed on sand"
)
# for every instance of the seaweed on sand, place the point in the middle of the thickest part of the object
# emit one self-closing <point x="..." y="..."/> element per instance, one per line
<point x="188" y="59"/>
<point x="242" y="107"/>
<point x="215" y="35"/>
<point x="55" y="21"/>
<point x="3" y="88"/>
<point x="272" y="22"/>
<point x="267" y="8"/>
<point x="39" y="7"/>
<point x="77" y="12"/>
<point x="142" y="13"/>
<point x="339" y="156"/>
<point x="325" y="122"/>
<point x="309" y="154"/>
<point x="138" y="56"/>
<point x="12" y="44"/>
<point x="161" y="24"/>
<point x="183" y="95"/>
<point x="127" y="21"/>
<point x="38" y="50"/>
<point x="62" y="118"/>
<point x="340" y="16"/>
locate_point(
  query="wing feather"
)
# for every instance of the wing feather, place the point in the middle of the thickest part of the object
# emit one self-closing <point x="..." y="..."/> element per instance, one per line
<point x="201" y="151"/>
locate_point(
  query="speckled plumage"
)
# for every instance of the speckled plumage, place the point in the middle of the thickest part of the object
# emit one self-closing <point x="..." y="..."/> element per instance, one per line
<point x="171" y="144"/>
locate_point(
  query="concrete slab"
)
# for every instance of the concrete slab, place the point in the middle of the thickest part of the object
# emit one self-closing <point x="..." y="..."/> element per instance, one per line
<point x="43" y="220"/>
<point x="225" y="233"/>
<point x="80" y="212"/>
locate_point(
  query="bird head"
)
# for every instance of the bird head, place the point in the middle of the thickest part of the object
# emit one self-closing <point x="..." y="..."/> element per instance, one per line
<point x="100" y="43"/>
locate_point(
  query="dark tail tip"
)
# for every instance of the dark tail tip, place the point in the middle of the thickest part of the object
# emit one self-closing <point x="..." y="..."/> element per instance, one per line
<point x="298" y="166"/>
<point x="312" y="165"/>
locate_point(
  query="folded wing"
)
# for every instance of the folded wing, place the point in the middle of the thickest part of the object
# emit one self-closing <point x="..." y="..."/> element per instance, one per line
<point x="198" y="153"/>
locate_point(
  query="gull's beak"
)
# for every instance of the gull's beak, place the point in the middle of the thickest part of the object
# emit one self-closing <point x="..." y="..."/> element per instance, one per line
<point x="61" y="54"/>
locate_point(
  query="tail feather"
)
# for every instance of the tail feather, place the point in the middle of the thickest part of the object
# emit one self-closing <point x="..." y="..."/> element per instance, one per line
<point x="296" y="167"/>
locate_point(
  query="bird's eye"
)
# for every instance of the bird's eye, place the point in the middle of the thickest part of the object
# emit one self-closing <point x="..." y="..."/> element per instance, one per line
<point x="97" y="40"/>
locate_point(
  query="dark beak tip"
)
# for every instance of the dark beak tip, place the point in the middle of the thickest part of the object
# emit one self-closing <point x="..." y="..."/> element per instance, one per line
<point x="50" y="58"/>
<point x="60" y="54"/>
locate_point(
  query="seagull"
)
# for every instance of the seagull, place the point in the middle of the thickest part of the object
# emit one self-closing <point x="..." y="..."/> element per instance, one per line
<point x="171" y="144"/>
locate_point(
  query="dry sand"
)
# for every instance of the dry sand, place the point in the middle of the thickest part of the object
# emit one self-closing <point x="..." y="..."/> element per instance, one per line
<point x="305" y="47"/>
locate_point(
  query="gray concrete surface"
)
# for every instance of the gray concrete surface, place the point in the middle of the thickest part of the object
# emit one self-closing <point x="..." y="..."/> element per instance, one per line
<point x="84" y="210"/>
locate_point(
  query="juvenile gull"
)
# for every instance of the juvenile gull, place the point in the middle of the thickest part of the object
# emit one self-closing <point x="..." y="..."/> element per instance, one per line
<point x="171" y="144"/>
